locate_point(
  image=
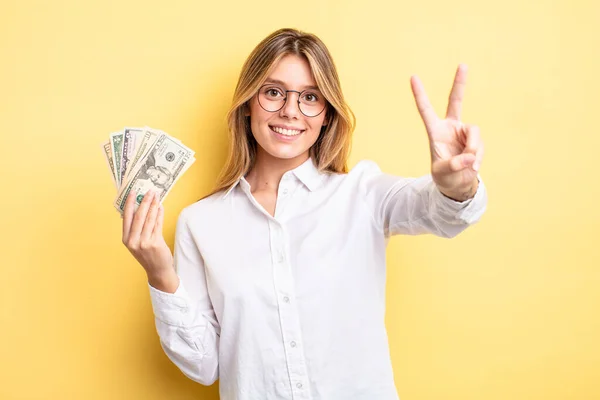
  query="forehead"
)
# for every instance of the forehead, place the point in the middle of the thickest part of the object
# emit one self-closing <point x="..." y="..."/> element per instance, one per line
<point x="293" y="71"/>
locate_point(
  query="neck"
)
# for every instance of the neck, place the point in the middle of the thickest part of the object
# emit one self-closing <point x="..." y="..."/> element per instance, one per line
<point x="267" y="171"/>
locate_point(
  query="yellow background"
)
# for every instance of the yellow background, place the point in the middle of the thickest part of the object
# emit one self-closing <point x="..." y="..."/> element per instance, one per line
<point x="507" y="310"/>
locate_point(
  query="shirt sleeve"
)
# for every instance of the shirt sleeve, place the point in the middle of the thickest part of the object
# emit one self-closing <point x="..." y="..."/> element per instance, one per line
<point x="185" y="320"/>
<point x="414" y="206"/>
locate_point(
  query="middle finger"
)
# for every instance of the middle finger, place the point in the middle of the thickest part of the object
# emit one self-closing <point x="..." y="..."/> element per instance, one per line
<point x="150" y="219"/>
<point x="457" y="93"/>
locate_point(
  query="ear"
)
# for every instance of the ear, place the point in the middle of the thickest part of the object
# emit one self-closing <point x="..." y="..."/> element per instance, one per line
<point x="246" y="109"/>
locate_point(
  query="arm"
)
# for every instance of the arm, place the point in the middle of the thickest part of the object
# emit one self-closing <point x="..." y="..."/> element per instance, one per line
<point x="185" y="320"/>
<point x="415" y="206"/>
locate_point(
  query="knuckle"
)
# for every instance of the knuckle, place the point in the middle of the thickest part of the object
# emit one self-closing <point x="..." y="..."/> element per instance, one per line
<point x="147" y="245"/>
<point x="132" y="245"/>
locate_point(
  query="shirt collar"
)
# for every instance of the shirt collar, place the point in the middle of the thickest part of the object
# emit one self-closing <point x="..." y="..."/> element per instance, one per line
<point x="307" y="173"/>
<point x="231" y="188"/>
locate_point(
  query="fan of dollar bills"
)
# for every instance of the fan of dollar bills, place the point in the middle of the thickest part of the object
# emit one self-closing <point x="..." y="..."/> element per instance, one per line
<point x="144" y="159"/>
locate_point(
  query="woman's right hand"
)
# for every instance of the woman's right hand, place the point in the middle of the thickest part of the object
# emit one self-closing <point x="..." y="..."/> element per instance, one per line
<point x="142" y="235"/>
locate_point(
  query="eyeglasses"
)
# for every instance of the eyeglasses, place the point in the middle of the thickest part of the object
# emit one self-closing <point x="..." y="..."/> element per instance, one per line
<point x="272" y="98"/>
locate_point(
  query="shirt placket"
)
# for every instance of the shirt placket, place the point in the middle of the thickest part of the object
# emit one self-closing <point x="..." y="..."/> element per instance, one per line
<point x="288" y="311"/>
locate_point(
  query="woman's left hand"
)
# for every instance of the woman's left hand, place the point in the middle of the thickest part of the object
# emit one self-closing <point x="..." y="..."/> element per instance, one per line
<point x="456" y="148"/>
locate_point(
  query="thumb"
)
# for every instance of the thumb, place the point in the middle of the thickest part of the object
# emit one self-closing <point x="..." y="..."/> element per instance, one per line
<point x="454" y="164"/>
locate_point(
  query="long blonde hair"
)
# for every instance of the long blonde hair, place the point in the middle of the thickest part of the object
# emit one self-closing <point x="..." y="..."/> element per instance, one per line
<point x="331" y="150"/>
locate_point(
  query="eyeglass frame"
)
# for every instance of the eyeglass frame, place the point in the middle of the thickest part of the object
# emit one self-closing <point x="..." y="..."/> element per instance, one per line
<point x="285" y="100"/>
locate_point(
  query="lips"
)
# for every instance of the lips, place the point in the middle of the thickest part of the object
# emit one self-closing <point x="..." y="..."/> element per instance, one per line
<point x="286" y="131"/>
<point x="283" y="137"/>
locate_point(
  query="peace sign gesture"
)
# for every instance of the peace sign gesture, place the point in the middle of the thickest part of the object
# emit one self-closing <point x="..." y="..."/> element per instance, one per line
<point x="456" y="148"/>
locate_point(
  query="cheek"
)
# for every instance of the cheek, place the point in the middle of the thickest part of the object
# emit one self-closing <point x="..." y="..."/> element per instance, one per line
<point x="258" y="116"/>
<point x="259" y="120"/>
<point x="316" y="124"/>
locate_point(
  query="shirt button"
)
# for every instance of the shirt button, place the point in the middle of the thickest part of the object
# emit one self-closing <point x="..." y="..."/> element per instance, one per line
<point x="280" y="257"/>
<point x="286" y="299"/>
<point x="293" y="344"/>
<point x="285" y="191"/>
<point x="299" y="385"/>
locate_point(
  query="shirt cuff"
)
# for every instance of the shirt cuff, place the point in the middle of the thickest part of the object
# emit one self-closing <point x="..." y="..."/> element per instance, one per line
<point x="171" y="308"/>
<point x="468" y="211"/>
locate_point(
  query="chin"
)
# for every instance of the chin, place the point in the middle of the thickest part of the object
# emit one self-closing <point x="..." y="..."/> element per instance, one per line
<point x="285" y="153"/>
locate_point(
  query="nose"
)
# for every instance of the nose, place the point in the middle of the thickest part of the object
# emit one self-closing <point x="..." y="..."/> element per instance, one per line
<point x="291" y="108"/>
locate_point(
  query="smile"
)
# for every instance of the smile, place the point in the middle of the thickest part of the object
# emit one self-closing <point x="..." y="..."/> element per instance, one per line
<point x="286" y="132"/>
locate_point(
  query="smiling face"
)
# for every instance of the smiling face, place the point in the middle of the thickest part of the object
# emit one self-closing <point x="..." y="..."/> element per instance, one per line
<point x="288" y="133"/>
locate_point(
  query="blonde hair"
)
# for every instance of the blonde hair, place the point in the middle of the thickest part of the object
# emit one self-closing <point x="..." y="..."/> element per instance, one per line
<point x="331" y="150"/>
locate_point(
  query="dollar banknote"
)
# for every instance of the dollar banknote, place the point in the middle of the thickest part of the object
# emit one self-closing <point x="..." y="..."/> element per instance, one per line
<point x="116" y="145"/>
<point x="130" y="138"/>
<point x="144" y="159"/>
<point x="157" y="170"/>
<point x="108" y="155"/>
<point x="144" y="142"/>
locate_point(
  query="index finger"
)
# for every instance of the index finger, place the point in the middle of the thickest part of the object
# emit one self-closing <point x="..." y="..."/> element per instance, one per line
<point x="457" y="93"/>
<point x="425" y="108"/>
<point x="128" y="214"/>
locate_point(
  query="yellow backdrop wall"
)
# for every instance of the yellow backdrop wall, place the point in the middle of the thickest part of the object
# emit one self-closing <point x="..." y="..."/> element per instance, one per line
<point x="507" y="310"/>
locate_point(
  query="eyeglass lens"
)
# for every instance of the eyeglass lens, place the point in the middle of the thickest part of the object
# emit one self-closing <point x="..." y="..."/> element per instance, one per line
<point x="272" y="98"/>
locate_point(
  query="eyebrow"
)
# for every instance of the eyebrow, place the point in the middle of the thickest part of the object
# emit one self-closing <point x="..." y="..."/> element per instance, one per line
<point x="277" y="81"/>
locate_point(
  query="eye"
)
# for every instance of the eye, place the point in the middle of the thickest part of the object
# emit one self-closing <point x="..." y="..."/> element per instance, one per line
<point x="311" y="97"/>
<point x="273" y="92"/>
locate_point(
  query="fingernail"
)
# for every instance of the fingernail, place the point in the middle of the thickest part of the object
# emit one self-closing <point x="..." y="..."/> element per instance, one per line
<point x="476" y="166"/>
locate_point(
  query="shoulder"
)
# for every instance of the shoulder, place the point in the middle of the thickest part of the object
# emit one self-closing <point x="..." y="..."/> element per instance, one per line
<point x="203" y="208"/>
<point x="362" y="172"/>
<point x="358" y="173"/>
<point x="365" y="167"/>
<point x="369" y="179"/>
<point x="356" y="179"/>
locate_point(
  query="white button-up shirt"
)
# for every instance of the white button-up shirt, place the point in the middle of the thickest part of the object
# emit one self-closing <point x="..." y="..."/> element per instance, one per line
<point x="293" y="306"/>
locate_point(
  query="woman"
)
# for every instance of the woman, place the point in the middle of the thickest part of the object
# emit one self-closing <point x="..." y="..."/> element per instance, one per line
<point x="278" y="277"/>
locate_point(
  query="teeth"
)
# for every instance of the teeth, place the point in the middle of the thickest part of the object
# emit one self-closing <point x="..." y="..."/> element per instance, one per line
<point x="287" y="132"/>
